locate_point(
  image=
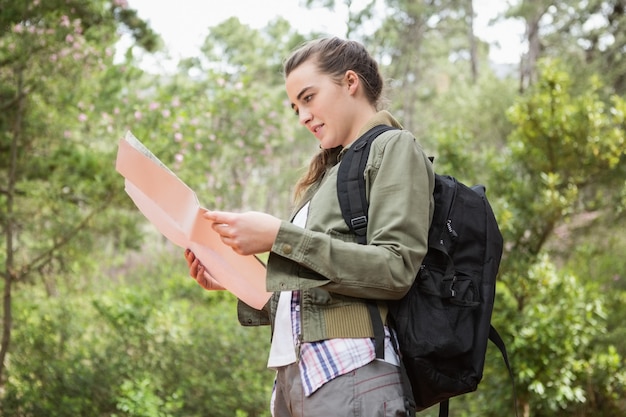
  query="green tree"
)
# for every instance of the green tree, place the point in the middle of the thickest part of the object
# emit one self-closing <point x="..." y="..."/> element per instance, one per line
<point x="564" y="158"/>
<point x="588" y="35"/>
<point x="533" y="13"/>
<point x="572" y="146"/>
<point x="236" y="140"/>
<point x="55" y="175"/>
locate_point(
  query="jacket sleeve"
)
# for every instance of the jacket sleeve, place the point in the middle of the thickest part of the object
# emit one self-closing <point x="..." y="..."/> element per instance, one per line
<point x="400" y="181"/>
<point x="250" y="316"/>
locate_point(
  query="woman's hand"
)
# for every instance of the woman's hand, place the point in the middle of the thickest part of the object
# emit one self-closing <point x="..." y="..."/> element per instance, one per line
<point x="247" y="233"/>
<point x="198" y="272"/>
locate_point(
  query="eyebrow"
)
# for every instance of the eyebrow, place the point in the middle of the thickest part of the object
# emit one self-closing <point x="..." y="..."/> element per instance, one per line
<point x="300" y="94"/>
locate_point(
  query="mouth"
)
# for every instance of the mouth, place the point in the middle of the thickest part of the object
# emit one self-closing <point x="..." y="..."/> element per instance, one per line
<point x="316" y="130"/>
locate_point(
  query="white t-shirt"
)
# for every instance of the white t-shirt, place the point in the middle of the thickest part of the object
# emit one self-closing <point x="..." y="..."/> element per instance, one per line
<point x="282" y="350"/>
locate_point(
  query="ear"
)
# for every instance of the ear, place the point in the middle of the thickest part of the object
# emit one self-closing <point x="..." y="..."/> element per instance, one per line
<point x="352" y="81"/>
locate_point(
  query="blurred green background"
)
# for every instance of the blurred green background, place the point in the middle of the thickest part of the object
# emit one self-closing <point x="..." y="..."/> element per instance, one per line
<point x="99" y="315"/>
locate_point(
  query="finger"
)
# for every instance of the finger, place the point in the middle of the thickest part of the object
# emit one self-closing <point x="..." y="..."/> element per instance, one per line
<point x="214" y="216"/>
<point x="199" y="273"/>
<point x="206" y="281"/>
<point x="203" y="278"/>
<point x="219" y="217"/>
<point x="193" y="268"/>
<point x="222" y="229"/>
<point x="229" y="240"/>
<point x="234" y="245"/>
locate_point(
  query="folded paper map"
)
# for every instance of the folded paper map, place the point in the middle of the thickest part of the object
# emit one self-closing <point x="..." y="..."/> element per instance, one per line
<point x="173" y="208"/>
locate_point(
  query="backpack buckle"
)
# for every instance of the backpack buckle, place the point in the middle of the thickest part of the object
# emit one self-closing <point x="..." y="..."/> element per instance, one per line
<point x="359" y="223"/>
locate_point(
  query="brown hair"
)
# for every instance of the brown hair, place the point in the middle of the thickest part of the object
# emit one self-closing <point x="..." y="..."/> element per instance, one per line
<point x="335" y="56"/>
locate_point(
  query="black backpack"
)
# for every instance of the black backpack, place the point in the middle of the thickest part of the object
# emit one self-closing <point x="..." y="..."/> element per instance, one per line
<point x="444" y="321"/>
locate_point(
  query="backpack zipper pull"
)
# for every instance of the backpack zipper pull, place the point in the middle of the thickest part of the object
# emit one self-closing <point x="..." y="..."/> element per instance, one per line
<point x="451" y="230"/>
<point x="452" y="290"/>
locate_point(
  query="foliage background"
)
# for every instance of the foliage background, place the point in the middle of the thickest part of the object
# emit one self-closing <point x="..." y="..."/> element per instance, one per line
<point x="99" y="317"/>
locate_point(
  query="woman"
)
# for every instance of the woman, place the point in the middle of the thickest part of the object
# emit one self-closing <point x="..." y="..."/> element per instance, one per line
<point x="322" y="339"/>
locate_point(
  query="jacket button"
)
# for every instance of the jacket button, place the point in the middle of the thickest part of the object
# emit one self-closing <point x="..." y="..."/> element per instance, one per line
<point x="287" y="249"/>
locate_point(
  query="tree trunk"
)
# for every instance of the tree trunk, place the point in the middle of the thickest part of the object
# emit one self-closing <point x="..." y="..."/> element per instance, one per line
<point x="528" y="70"/>
<point x="9" y="274"/>
<point x="472" y="43"/>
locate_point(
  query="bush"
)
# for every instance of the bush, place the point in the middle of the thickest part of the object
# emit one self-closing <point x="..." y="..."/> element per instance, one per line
<point x="153" y="344"/>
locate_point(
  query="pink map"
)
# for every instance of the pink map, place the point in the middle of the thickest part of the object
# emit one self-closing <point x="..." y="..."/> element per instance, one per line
<point x="173" y="208"/>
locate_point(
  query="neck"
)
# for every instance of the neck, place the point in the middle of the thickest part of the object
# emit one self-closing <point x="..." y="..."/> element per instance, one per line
<point x="363" y="116"/>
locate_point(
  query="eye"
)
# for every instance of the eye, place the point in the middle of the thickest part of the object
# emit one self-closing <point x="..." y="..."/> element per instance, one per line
<point x="308" y="98"/>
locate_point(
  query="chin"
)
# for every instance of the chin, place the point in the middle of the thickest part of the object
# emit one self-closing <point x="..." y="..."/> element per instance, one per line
<point x="328" y="144"/>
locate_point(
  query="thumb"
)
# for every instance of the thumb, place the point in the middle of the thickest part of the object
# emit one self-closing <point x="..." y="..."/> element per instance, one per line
<point x="216" y="216"/>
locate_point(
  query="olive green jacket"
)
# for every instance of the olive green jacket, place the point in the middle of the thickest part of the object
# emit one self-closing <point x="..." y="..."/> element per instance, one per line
<point x="333" y="272"/>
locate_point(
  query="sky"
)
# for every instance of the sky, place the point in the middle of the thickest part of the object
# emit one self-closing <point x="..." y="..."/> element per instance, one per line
<point x="184" y="24"/>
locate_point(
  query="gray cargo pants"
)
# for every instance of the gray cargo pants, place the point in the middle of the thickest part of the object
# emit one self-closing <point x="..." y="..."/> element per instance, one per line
<point x="374" y="390"/>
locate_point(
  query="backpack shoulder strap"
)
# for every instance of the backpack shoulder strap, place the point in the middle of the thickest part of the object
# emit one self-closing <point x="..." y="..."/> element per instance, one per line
<point x="353" y="202"/>
<point x="495" y="338"/>
<point x="351" y="183"/>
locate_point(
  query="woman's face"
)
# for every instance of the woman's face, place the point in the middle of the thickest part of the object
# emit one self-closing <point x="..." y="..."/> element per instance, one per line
<point x="323" y="106"/>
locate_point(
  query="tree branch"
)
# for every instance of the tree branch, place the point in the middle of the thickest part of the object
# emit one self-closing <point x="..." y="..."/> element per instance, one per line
<point x="46" y="256"/>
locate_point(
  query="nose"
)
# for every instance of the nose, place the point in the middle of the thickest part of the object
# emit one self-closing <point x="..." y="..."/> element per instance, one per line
<point x="304" y="115"/>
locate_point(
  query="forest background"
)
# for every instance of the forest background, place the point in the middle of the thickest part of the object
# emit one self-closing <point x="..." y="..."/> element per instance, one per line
<point x="99" y="316"/>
